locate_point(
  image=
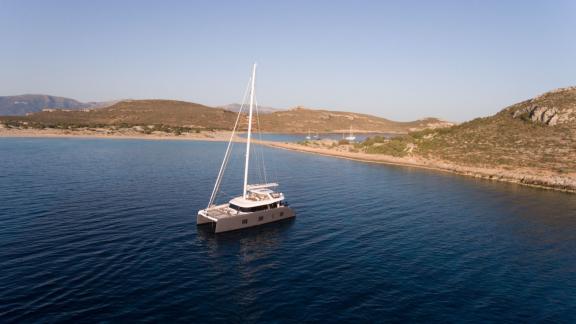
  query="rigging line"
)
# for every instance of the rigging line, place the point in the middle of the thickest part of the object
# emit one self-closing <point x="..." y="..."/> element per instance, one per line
<point x="259" y="131"/>
<point x="264" y="169"/>
<point x="224" y="165"/>
<point x="269" y="174"/>
<point x="256" y="166"/>
<point x="261" y="146"/>
<point x="228" y="159"/>
<point x="262" y="151"/>
<point x="234" y="130"/>
<point x="228" y="149"/>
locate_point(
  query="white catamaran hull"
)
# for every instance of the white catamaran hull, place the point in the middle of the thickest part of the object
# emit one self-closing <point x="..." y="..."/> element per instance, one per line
<point x="230" y="222"/>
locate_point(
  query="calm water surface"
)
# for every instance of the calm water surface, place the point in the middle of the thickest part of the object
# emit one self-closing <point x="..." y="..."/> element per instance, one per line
<point x="302" y="137"/>
<point x="104" y="230"/>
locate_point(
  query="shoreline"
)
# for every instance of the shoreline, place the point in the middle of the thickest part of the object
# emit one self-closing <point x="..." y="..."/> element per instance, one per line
<point x="527" y="177"/>
<point x="218" y="136"/>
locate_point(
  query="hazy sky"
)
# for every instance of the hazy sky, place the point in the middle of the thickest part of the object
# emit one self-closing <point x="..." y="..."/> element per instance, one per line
<point x="397" y="59"/>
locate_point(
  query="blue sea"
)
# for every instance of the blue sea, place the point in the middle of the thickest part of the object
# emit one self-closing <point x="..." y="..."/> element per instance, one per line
<point x="96" y="230"/>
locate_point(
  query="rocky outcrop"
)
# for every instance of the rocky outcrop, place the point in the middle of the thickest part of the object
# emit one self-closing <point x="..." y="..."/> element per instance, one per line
<point x="552" y="108"/>
<point x="545" y="115"/>
<point x="555" y="91"/>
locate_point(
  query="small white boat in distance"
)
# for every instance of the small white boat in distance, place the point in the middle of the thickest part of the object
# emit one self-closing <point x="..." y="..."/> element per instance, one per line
<point x="259" y="203"/>
<point x="309" y="137"/>
<point x="350" y="137"/>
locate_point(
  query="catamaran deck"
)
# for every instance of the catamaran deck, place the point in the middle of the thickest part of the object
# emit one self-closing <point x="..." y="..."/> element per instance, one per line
<point x="221" y="211"/>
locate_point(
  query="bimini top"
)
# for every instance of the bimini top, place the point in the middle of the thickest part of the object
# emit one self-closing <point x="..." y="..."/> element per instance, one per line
<point x="258" y="197"/>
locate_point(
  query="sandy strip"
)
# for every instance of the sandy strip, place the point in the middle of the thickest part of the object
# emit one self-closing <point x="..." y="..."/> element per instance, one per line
<point x="220" y="136"/>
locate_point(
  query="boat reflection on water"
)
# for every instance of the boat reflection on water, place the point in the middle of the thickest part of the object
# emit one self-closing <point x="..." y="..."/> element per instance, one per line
<point x="250" y="243"/>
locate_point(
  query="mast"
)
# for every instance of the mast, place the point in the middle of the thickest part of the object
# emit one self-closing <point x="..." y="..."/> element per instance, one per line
<point x="249" y="132"/>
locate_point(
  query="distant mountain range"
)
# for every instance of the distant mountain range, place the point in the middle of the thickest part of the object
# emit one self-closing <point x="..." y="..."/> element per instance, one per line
<point x="29" y="103"/>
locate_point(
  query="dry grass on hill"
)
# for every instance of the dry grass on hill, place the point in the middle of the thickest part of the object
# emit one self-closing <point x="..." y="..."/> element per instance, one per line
<point x="169" y="113"/>
<point x="537" y="133"/>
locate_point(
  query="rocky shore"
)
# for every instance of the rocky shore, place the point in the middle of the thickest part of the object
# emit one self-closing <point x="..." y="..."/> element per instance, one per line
<point x="538" y="178"/>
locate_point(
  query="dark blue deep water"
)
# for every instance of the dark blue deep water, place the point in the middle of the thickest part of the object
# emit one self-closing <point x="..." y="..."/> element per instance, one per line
<point x="104" y="231"/>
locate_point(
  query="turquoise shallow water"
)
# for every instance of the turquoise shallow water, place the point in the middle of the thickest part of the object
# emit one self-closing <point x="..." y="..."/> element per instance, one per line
<point x="104" y="230"/>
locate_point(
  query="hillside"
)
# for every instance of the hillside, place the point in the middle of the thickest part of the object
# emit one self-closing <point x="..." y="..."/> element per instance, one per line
<point x="195" y="116"/>
<point x="300" y="120"/>
<point x="24" y="104"/>
<point x="142" y="112"/>
<point x="235" y="107"/>
<point x="537" y="133"/>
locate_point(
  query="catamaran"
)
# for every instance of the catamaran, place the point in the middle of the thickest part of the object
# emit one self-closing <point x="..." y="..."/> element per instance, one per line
<point x="259" y="203"/>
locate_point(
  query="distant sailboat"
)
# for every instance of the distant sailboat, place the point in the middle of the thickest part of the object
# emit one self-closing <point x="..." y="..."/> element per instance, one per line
<point x="258" y="205"/>
<point x="350" y="137"/>
<point x="309" y="137"/>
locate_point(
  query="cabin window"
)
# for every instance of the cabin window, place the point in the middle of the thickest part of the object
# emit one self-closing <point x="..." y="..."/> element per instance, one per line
<point x="260" y="218"/>
<point x="253" y="209"/>
<point x="244" y="221"/>
<point x="260" y="208"/>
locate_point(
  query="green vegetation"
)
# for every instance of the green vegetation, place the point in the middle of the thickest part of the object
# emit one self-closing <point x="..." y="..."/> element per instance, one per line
<point x="22" y="123"/>
<point x="394" y="147"/>
<point x="304" y="143"/>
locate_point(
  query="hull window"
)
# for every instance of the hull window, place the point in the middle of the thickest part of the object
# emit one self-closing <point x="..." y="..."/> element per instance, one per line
<point x="244" y="221"/>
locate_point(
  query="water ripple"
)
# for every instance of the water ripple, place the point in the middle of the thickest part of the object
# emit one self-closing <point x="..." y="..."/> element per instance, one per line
<point x="103" y="231"/>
